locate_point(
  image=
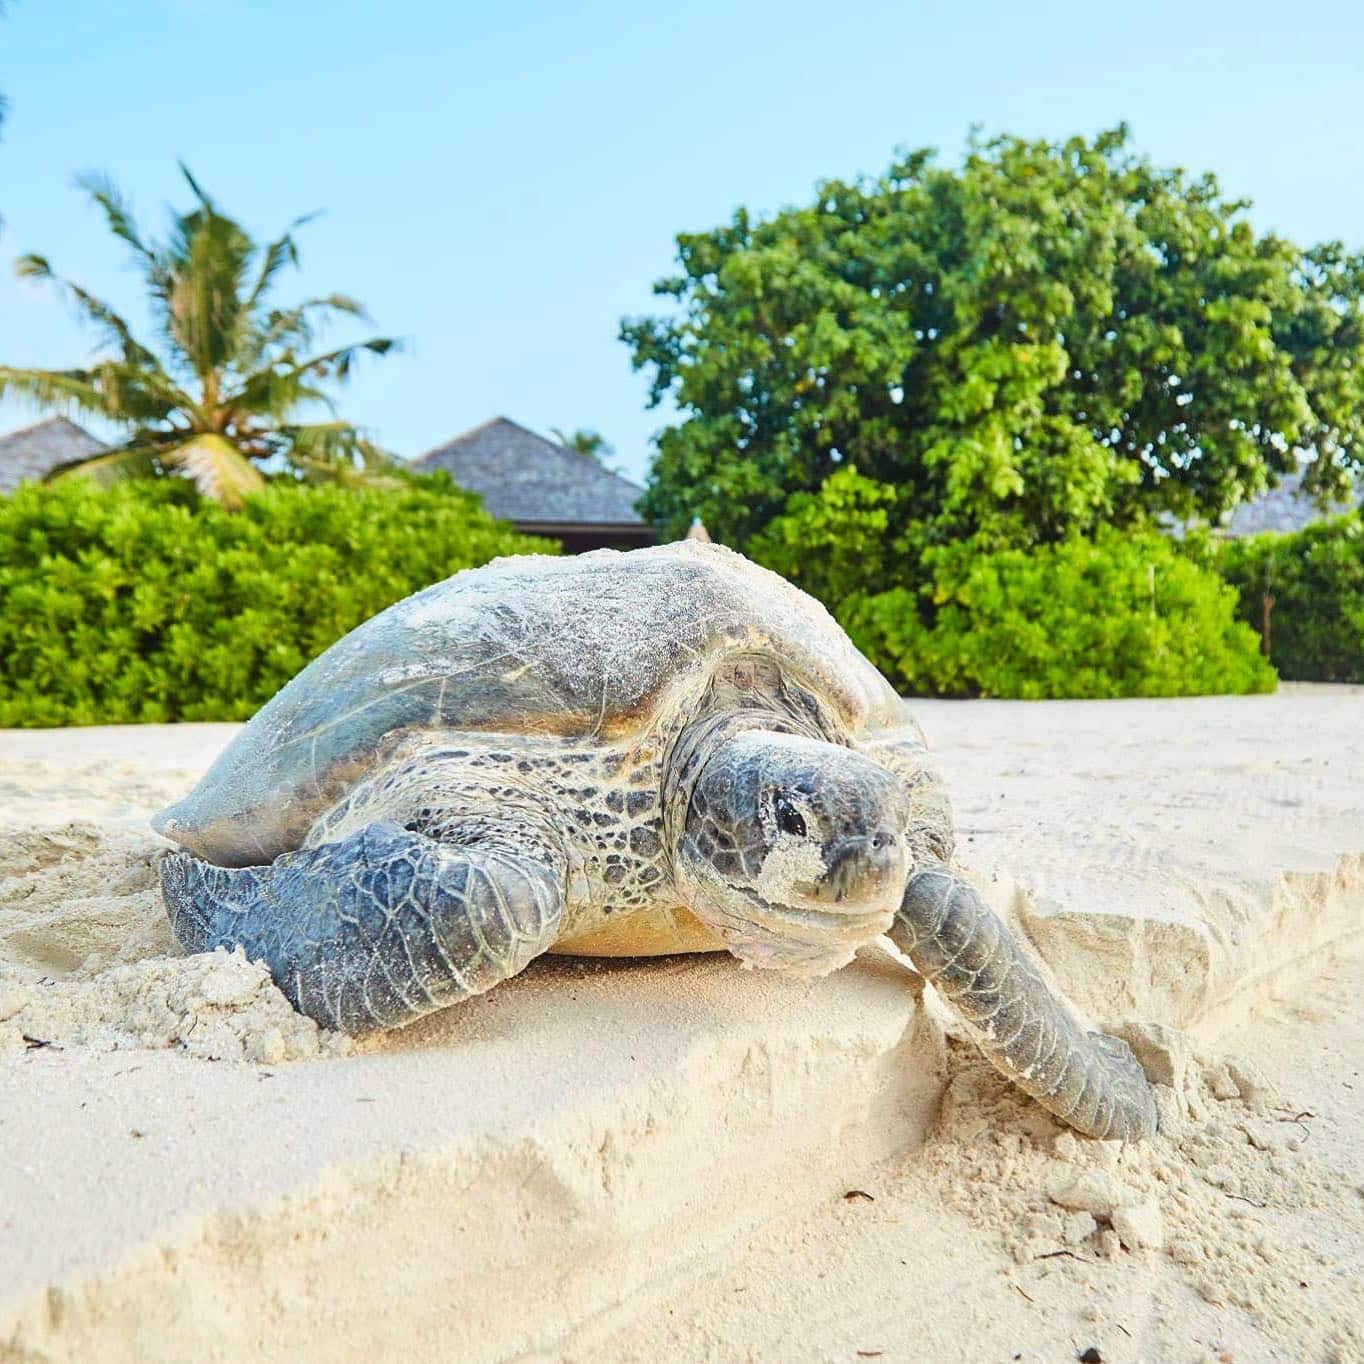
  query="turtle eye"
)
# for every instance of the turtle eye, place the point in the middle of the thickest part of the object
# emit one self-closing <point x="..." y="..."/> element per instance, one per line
<point x="789" y="819"/>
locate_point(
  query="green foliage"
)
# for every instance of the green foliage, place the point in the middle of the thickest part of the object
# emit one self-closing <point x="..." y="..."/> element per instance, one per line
<point x="1053" y="337"/>
<point x="1120" y="615"/>
<point x="835" y="541"/>
<point x="145" y="603"/>
<point x="585" y="442"/>
<point x="235" y="377"/>
<point x="1315" y="581"/>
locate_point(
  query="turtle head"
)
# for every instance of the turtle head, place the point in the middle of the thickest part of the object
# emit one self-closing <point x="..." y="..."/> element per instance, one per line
<point x="793" y="850"/>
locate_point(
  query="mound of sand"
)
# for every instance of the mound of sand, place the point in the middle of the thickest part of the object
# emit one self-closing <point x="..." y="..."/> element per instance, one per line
<point x="87" y="959"/>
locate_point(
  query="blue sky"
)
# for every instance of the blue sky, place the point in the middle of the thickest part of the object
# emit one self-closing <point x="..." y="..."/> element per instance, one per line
<point x="502" y="182"/>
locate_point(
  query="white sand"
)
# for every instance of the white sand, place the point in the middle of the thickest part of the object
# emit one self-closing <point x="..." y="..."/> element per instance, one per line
<point x="648" y="1160"/>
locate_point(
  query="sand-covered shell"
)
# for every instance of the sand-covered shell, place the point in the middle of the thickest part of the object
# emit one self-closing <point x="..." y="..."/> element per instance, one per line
<point x="597" y="646"/>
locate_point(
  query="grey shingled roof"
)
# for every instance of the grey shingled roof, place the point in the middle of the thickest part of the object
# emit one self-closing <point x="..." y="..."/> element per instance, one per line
<point x="527" y="479"/>
<point x="36" y="450"/>
<point x="1283" y="508"/>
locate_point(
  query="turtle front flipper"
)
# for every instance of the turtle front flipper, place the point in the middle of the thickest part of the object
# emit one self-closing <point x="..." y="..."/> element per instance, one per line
<point x="957" y="942"/>
<point x="376" y="929"/>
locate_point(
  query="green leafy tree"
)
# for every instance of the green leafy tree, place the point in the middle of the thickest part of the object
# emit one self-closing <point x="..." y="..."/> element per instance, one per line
<point x="235" y="376"/>
<point x="834" y="542"/>
<point x="1052" y="337"/>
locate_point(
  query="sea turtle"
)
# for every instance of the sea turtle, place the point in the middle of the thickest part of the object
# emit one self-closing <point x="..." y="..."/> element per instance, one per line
<point x="621" y="754"/>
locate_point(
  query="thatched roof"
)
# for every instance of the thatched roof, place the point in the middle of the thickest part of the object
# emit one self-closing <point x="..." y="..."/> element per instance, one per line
<point x="531" y="481"/>
<point x="36" y="450"/>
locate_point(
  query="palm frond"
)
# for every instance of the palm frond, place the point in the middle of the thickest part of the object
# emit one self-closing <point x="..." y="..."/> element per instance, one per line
<point x="272" y="391"/>
<point x="346" y="475"/>
<point x="289" y="327"/>
<point x="142" y="393"/>
<point x="217" y="468"/>
<point x="116" y="210"/>
<point x="63" y="390"/>
<point x="93" y="309"/>
<point x="279" y="253"/>
<point x="336" y="450"/>
<point x="280" y="386"/>
<point x="194" y="186"/>
<point x="337" y="364"/>
<point x="115" y="467"/>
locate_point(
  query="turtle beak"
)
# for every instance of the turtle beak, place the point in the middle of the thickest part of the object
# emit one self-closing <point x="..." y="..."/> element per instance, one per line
<point x="865" y="870"/>
<point x="803" y="941"/>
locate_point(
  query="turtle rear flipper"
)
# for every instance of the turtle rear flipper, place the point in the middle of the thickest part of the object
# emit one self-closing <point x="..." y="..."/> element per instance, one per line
<point x="376" y="929"/>
<point x="958" y="943"/>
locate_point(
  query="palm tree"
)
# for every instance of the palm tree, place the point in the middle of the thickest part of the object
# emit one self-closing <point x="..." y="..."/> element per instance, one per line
<point x="590" y="443"/>
<point x="224" y="396"/>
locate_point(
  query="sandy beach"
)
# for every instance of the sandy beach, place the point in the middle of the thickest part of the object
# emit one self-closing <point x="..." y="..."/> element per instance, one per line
<point x="682" y="1160"/>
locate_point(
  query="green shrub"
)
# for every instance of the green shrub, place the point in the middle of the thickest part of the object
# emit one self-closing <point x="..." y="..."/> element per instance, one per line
<point x="1314" y="579"/>
<point x="1120" y="615"/>
<point x="834" y="542"/>
<point x="142" y="603"/>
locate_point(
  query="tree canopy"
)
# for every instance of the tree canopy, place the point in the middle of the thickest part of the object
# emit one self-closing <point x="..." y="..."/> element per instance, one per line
<point x="1052" y="337"/>
<point x="234" y="377"/>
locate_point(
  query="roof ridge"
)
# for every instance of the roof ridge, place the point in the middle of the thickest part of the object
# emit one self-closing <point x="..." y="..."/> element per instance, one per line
<point x="482" y="426"/>
<point x="524" y="476"/>
<point x="471" y="432"/>
<point x="45" y="421"/>
<point x="557" y="445"/>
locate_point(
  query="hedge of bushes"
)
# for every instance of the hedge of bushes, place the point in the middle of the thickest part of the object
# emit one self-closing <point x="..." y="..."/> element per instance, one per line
<point x="1308" y="589"/>
<point x="1119" y="615"/>
<point x="143" y="603"/>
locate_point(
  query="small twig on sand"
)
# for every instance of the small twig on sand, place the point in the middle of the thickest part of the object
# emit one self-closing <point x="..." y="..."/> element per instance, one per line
<point x="1052" y="1254"/>
<point x="1029" y="1297"/>
<point x="858" y="1193"/>
<point x="1242" y="1198"/>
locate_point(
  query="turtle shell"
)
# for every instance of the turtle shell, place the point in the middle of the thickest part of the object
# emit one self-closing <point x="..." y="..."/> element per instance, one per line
<point x="595" y="646"/>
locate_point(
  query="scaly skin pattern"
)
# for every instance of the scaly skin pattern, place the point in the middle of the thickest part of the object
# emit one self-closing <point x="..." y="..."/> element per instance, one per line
<point x="596" y="805"/>
<point x="376" y="929"/>
<point x="1087" y="1079"/>
<point x="441" y="875"/>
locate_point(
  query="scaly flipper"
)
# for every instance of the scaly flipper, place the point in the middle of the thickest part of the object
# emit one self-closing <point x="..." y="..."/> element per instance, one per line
<point x="374" y="930"/>
<point x="1087" y="1079"/>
